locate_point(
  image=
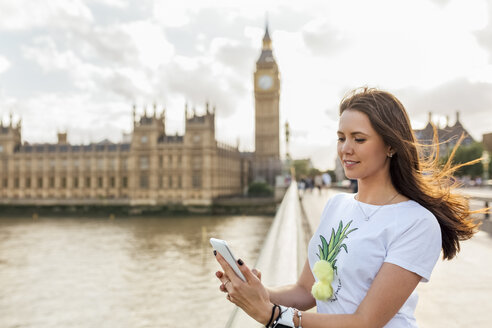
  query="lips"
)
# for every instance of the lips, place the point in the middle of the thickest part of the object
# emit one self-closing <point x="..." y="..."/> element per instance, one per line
<point x="349" y="164"/>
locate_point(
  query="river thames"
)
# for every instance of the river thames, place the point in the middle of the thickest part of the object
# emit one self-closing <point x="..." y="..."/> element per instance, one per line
<point x="126" y="272"/>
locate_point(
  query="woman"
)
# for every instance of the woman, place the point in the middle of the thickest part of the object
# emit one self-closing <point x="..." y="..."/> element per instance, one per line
<point x="371" y="248"/>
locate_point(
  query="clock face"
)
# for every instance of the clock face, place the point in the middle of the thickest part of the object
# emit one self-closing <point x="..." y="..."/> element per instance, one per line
<point x="265" y="82"/>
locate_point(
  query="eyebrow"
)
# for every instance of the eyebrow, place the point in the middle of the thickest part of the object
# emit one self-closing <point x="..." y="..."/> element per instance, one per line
<point x="354" y="133"/>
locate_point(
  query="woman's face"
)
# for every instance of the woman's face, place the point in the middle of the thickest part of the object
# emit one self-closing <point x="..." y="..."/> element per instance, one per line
<point x="361" y="149"/>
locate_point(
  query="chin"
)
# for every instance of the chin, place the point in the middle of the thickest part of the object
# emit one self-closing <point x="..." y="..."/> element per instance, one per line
<point x="351" y="175"/>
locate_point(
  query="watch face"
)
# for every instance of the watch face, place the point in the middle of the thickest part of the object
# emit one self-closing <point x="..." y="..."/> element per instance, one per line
<point x="265" y="82"/>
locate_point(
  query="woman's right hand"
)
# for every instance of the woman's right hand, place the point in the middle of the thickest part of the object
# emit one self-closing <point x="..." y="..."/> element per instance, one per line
<point x="257" y="273"/>
<point x="219" y="275"/>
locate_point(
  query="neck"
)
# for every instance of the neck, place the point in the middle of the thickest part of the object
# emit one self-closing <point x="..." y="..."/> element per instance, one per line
<point x="376" y="190"/>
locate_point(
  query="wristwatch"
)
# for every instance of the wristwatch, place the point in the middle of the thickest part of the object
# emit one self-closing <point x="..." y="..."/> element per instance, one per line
<point x="286" y="319"/>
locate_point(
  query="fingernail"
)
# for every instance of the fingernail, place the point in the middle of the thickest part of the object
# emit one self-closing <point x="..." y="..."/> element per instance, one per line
<point x="215" y="252"/>
<point x="240" y="262"/>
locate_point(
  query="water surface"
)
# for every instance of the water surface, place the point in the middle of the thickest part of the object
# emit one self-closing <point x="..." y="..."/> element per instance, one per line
<point x="126" y="272"/>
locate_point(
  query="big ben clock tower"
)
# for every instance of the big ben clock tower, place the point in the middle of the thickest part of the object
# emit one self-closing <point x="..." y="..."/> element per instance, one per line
<point x="267" y="132"/>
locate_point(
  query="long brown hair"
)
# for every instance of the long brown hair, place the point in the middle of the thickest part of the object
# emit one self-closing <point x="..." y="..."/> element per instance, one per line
<point x="418" y="177"/>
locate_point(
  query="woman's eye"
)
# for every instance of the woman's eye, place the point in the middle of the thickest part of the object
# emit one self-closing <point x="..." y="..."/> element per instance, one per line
<point x="340" y="139"/>
<point x="360" y="140"/>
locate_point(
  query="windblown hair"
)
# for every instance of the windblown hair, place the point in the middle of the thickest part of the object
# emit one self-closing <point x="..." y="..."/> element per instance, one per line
<point x="414" y="173"/>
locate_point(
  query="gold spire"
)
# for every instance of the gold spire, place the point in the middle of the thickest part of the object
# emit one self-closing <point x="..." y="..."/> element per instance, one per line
<point x="267" y="41"/>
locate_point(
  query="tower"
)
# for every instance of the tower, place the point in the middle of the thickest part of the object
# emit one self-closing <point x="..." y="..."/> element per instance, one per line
<point x="267" y="124"/>
<point x="10" y="137"/>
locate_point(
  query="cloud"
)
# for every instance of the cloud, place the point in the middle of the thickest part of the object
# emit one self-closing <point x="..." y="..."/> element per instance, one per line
<point x="46" y="54"/>
<point x="319" y="146"/>
<point x="149" y="39"/>
<point x="321" y="38"/>
<point x="26" y="14"/>
<point x="205" y="82"/>
<point x="4" y="64"/>
<point x="473" y="100"/>
<point x="234" y="54"/>
<point x="129" y="84"/>
<point x="110" y="3"/>
<point x="84" y="120"/>
<point x="131" y="81"/>
<point x="111" y="45"/>
<point x="484" y="36"/>
<point x="441" y="2"/>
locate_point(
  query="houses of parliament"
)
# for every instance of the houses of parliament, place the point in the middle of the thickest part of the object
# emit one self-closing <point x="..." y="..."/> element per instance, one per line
<point x="154" y="167"/>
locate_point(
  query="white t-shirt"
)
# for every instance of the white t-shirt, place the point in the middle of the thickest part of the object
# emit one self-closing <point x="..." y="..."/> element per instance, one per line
<point x="405" y="234"/>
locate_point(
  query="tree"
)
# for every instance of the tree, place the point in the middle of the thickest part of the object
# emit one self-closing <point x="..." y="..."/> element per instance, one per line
<point x="314" y="171"/>
<point x="466" y="154"/>
<point x="301" y="167"/>
<point x="260" y="189"/>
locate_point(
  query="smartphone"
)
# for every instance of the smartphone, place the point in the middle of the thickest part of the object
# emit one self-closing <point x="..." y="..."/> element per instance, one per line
<point x="221" y="246"/>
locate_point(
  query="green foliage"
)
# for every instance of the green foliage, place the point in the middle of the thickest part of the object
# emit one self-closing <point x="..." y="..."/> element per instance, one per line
<point x="260" y="189"/>
<point x="466" y="154"/>
<point x="301" y="167"/>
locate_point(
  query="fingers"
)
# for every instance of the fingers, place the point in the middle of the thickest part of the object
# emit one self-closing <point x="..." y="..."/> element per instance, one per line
<point x="248" y="274"/>
<point x="220" y="275"/>
<point x="257" y="273"/>
<point x="228" y="271"/>
<point x="225" y="282"/>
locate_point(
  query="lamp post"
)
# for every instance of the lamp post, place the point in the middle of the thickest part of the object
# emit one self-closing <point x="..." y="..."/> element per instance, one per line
<point x="485" y="162"/>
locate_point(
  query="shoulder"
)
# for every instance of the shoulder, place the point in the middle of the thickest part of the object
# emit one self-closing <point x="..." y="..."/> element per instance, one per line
<point x="411" y="216"/>
<point x="416" y="239"/>
<point x="342" y="197"/>
<point x="337" y="201"/>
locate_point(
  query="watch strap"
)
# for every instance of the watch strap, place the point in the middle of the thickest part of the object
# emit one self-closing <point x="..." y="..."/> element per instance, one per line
<point x="286" y="317"/>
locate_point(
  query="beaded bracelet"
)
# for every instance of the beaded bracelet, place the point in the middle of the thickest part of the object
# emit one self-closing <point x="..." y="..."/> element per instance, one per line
<point x="271" y="317"/>
<point x="275" y="322"/>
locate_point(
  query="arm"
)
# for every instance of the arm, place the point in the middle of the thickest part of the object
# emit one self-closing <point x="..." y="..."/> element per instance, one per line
<point x="387" y="294"/>
<point x="297" y="295"/>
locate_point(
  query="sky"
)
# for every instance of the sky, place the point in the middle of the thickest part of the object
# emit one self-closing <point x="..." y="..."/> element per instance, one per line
<point x="80" y="66"/>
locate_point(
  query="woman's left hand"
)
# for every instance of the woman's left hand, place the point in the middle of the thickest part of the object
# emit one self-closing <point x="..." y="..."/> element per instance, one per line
<point x="249" y="295"/>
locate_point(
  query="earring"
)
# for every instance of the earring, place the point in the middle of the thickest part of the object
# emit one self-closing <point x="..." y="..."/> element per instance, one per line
<point x="390" y="155"/>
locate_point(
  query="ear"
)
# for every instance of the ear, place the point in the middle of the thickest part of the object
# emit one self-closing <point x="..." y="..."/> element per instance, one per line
<point x="390" y="151"/>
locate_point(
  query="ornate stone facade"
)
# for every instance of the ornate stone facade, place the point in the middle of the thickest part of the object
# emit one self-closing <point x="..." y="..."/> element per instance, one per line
<point x="448" y="136"/>
<point x="154" y="168"/>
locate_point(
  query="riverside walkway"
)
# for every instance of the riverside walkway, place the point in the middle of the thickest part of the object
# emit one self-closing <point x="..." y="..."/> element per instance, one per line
<point x="459" y="293"/>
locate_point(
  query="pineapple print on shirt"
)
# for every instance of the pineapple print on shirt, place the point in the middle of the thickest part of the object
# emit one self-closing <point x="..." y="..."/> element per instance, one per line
<point x="326" y="267"/>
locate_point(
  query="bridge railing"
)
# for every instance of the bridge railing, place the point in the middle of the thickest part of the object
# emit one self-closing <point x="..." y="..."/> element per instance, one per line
<point x="283" y="253"/>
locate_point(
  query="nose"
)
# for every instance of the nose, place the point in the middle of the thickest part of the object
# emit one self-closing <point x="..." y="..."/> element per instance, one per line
<point x="346" y="147"/>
